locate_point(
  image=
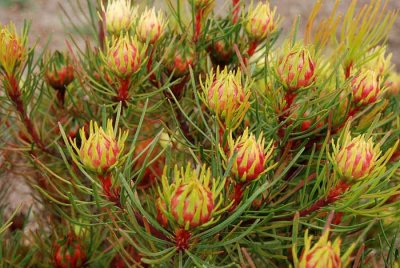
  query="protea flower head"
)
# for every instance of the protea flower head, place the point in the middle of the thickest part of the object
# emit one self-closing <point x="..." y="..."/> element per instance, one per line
<point x="380" y="63"/>
<point x="201" y="4"/>
<point x="179" y="59"/>
<point x="226" y="96"/>
<point x="59" y="72"/>
<point x="12" y="48"/>
<point x="69" y="253"/>
<point x="296" y="68"/>
<point x="100" y="150"/>
<point x="260" y="22"/>
<point x="393" y="85"/>
<point x="119" y="16"/>
<point x="123" y="56"/>
<point x="365" y="87"/>
<point x="250" y="156"/>
<point x="192" y="199"/>
<point x="357" y="158"/>
<point x="151" y="26"/>
<point x="221" y="51"/>
<point x="323" y="254"/>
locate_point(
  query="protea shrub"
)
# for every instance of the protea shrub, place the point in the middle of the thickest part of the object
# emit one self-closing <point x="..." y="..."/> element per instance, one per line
<point x="193" y="134"/>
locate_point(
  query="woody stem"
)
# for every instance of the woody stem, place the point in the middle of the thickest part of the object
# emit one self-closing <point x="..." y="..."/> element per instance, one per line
<point x="61" y="96"/>
<point x="252" y="48"/>
<point x="333" y="195"/>
<point x="14" y="93"/>
<point x="111" y="193"/>
<point x="123" y="91"/>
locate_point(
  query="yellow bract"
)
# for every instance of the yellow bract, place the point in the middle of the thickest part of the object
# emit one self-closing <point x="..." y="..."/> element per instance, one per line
<point x="119" y="16"/>
<point x="100" y="150"/>
<point x="12" y="48"/>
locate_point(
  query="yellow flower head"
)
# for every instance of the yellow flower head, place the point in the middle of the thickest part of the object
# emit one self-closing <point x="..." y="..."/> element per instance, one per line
<point x="100" y="150"/>
<point x="226" y="96"/>
<point x="251" y="156"/>
<point x="119" y="16"/>
<point x="151" y="26"/>
<point x="12" y="48"/>
<point x="123" y="56"/>
<point x="193" y="198"/>
<point x="260" y="21"/>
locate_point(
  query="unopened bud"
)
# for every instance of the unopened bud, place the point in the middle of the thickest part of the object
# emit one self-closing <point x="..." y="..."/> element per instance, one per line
<point x="123" y="56"/>
<point x="365" y="87"/>
<point x="151" y="26"/>
<point x="260" y="22"/>
<point x="60" y="72"/>
<point x="296" y="69"/>
<point x="251" y="156"/>
<point x="119" y="16"/>
<point x="101" y="150"/>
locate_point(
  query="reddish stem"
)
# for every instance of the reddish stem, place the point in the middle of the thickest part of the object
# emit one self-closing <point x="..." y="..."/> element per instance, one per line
<point x="197" y="25"/>
<point x="333" y="195"/>
<point x="348" y="70"/>
<point x="289" y="98"/>
<point x="252" y="48"/>
<point x="102" y="32"/>
<point x="338" y="218"/>
<point x="61" y="96"/>
<point x="15" y="95"/>
<point x="112" y="193"/>
<point x="236" y="9"/>
<point x="123" y="91"/>
<point x="150" y="62"/>
<point x="182" y="238"/>
<point x="237" y="195"/>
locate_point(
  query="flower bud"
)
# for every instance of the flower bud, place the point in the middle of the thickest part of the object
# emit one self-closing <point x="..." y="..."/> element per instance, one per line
<point x="356" y="158"/>
<point x="193" y="198"/>
<point x="179" y="59"/>
<point x="119" y="16"/>
<point x="12" y="49"/>
<point x="296" y="69"/>
<point x="59" y="72"/>
<point x="250" y="156"/>
<point x="123" y="56"/>
<point x="225" y="95"/>
<point x="393" y="85"/>
<point x="101" y="151"/>
<point x="151" y="26"/>
<point x="201" y="4"/>
<point x="221" y="51"/>
<point x="260" y="22"/>
<point x="365" y="87"/>
<point x="69" y="255"/>
<point x="322" y="254"/>
<point x="380" y="63"/>
<point x="192" y="204"/>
